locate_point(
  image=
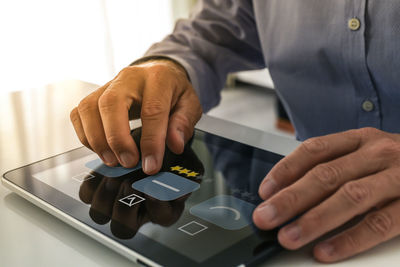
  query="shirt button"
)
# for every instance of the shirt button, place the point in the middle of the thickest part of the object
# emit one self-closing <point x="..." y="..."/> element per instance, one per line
<point x="354" y="24"/>
<point x="367" y="106"/>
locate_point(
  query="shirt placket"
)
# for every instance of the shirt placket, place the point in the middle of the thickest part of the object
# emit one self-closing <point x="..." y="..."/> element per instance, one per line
<point x="366" y="97"/>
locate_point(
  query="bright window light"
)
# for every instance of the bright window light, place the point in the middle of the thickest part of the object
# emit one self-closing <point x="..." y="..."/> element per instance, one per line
<point x="44" y="41"/>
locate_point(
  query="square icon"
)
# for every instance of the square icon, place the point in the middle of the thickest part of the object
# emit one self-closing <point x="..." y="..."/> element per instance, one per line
<point x="225" y="211"/>
<point x="84" y="176"/>
<point x="165" y="186"/>
<point x="192" y="228"/>
<point x="131" y="200"/>
<point x="98" y="166"/>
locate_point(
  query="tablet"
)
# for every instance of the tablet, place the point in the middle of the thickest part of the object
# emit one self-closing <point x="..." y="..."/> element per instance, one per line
<point x="197" y="211"/>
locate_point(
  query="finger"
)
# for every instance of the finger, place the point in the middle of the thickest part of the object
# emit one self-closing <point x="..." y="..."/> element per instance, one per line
<point x="77" y="123"/>
<point x="93" y="127"/>
<point x="354" y="198"/>
<point x="310" y="153"/>
<point x="88" y="188"/>
<point x="126" y="220"/>
<point x="317" y="184"/>
<point x="375" y="228"/>
<point x="103" y="200"/>
<point x="164" y="213"/>
<point x="156" y="106"/>
<point x="114" y="105"/>
<point x="186" y="114"/>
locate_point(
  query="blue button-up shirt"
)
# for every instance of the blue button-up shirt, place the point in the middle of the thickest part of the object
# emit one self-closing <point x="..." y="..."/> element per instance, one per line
<point x="332" y="74"/>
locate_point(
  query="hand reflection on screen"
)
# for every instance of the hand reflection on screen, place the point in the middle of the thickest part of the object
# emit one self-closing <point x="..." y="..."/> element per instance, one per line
<point x="103" y="194"/>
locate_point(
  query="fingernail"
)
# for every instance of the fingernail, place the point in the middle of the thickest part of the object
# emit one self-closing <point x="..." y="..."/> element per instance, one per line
<point x="326" y="248"/>
<point x="267" y="188"/>
<point x="292" y="232"/>
<point x="108" y="157"/>
<point x="267" y="211"/>
<point x="126" y="159"/>
<point x="149" y="164"/>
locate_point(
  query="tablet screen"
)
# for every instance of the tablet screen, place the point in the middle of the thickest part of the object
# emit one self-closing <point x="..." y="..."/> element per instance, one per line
<point x="198" y="206"/>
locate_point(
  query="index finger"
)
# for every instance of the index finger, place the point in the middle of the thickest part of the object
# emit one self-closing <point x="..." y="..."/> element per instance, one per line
<point x="310" y="153"/>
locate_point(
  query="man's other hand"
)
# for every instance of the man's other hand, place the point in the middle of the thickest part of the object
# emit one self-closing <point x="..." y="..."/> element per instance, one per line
<point x="158" y="92"/>
<point x="328" y="181"/>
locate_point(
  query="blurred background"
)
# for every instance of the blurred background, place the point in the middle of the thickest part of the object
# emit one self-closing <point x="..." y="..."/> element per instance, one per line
<point x="44" y="41"/>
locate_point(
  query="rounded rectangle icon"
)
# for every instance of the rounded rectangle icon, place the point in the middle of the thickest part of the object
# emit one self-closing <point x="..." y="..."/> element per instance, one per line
<point x="225" y="211"/>
<point x="165" y="186"/>
<point x="98" y="166"/>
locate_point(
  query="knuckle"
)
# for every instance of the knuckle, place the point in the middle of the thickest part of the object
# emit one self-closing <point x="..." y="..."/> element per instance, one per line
<point x="95" y="143"/>
<point x="127" y="71"/>
<point x="391" y="178"/>
<point x="74" y="115"/>
<point x="368" y="132"/>
<point x="283" y="168"/>
<point x="159" y="68"/>
<point x="153" y="109"/>
<point x="379" y="223"/>
<point x="396" y="150"/>
<point x="129" y="74"/>
<point x="85" y="105"/>
<point x="184" y="123"/>
<point x="150" y="139"/>
<point x="351" y="241"/>
<point x="290" y="197"/>
<point x="356" y="192"/>
<point x="107" y="100"/>
<point x="182" y="120"/>
<point x="327" y="175"/>
<point x="388" y="147"/>
<point x="313" y="217"/>
<point x="385" y="150"/>
<point x="156" y="71"/>
<point x="124" y="71"/>
<point x="114" y="141"/>
<point x="314" y="145"/>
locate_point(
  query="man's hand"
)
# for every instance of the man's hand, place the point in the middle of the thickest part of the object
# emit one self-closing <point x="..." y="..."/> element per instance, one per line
<point x="158" y="92"/>
<point x="330" y="180"/>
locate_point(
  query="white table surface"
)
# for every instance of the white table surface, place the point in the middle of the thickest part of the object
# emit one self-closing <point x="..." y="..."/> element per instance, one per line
<point x="31" y="129"/>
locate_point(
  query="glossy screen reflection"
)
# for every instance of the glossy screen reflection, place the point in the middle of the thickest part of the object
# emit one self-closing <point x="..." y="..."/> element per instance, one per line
<point x="177" y="208"/>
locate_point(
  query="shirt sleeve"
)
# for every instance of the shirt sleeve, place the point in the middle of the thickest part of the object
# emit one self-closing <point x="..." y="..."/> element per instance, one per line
<point x="219" y="37"/>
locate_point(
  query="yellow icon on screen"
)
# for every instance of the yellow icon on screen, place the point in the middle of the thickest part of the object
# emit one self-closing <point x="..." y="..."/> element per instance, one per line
<point x="176" y="168"/>
<point x="192" y="174"/>
<point x="182" y="170"/>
